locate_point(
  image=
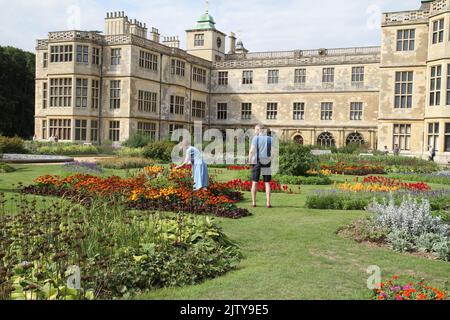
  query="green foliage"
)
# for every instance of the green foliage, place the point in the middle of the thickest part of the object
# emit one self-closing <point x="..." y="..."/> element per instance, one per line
<point x="137" y="141"/>
<point x="126" y="163"/>
<point x="118" y="253"/>
<point x="17" y="70"/>
<point x="12" y="145"/>
<point x="429" y="178"/>
<point x="62" y="149"/>
<point x="130" y="152"/>
<point x="295" y="159"/>
<point x="159" y="151"/>
<point x="352" y="148"/>
<point x="312" y="181"/>
<point x="4" y="168"/>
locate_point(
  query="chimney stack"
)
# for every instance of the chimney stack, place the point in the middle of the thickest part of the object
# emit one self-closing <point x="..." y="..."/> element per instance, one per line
<point x="232" y="37"/>
<point x="154" y="35"/>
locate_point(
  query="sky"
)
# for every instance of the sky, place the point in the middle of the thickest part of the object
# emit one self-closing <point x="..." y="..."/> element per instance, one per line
<point x="263" y="25"/>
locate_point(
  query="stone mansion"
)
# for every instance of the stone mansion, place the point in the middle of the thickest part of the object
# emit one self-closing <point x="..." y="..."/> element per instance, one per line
<point x="96" y="87"/>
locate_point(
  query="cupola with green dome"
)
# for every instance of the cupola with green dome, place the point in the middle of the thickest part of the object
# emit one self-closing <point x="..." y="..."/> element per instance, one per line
<point x="206" y="22"/>
<point x="205" y="41"/>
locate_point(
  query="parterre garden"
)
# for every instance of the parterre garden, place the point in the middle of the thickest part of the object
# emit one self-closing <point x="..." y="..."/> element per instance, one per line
<point x="135" y="229"/>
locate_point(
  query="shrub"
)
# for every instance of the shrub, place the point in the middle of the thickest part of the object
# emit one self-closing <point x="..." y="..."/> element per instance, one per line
<point x="83" y="167"/>
<point x="130" y="152"/>
<point x="412" y="227"/>
<point x="12" y="145"/>
<point x="316" y="181"/>
<point x="137" y="141"/>
<point x="125" y="163"/>
<point x="159" y="151"/>
<point x="295" y="159"/>
<point x="4" y="168"/>
<point x="62" y="149"/>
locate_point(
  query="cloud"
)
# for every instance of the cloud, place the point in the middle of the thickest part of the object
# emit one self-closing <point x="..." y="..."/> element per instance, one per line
<point x="262" y="24"/>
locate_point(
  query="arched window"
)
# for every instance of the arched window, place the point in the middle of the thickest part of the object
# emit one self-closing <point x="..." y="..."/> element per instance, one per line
<point x="326" y="139"/>
<point x="299" y="140"/>
<point x="355" y="138"/>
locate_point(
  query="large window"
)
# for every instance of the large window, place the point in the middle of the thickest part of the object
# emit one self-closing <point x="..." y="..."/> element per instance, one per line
<point x="81" y="93"/>
<point x="223" y="78"/>
<point x="147" y="129"/>
<point x="326" y="140"/>
<point x="433" y="135"/>
<point x="438" y="31"/>
<point x="299" y="111"/>
<point x="95" y="94"/>
<point x="94" y="130"/>
<point x="80" y="130"/>
<point x="199" y="40"/>
<point x="198" y="109"/>
<point x="447" y="137"/>
<point x="326" y="111"/>
<point x="96" y="56"/>
<point x="199" y="75"/>
<point x="300" y="76"/>
<point x="61" y="128"/>
<point x="173" y="127"/>
<point x="247" y="77"/>
<point x="246" y="112"/>
<point x="61" y="92"/>
<point x="176" y="105"/>
<point x="116" y="55"/>
<point x="273" y="76"/>
<point x="114" y="131"/>
<point x="147" y="101"/>
<point x="148" y="61"/>
<point x="222" y="111"/>
<point x="448" y="85"/>
<point x="114" y="98"/>
<point x="357" y="75"/>
<point x="44" y="95"/>
<point x="328" y="75"/>
<point x="435" y="85"/>
<point x="403" y="90"/>
<point x="406" y="40"/>
<point x="402" y="136"/>
<point x="356" y="111"/>
<point x="44" y="129"/>
<point x="61" y="53"/>
<point x="45" y="60"/>
<point x="272" y="111"/>
<point x="83" y="54"/>
<point x="178" y="67"/>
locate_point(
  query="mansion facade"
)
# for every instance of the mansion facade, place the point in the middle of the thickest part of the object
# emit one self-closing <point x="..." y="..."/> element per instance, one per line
<point x="93" y="87"/>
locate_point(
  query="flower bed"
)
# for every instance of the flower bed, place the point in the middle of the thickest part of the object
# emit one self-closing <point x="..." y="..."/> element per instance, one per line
<point x="347" y="200"/>
<point x="155" y="188"/>
<point x="382" y="184"/>
<point x="117" y="253"/>
<point x="83" y="167"/>
<point x="353" y="169"/>
<point x="394" y="289"/>
<point x="242" y="185"/>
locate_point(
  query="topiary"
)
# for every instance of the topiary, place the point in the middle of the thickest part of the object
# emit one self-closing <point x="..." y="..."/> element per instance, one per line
<point x="295" y="159"/>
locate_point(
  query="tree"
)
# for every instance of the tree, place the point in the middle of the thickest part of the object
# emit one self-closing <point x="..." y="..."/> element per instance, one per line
<point x="17" y="85"/>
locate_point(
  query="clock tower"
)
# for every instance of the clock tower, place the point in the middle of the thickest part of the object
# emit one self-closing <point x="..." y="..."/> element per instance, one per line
<point x="205" y="41"/>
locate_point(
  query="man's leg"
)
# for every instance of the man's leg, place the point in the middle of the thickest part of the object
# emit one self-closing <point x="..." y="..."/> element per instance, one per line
<point x="268" y="194"/>
<point x="254" y="192"/>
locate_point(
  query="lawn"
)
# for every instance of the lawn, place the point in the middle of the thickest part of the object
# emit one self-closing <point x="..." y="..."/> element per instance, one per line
<point x="290" y="252"/>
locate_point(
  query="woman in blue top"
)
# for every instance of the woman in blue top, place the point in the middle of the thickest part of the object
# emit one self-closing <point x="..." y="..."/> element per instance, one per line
<point x="199" y="167"/>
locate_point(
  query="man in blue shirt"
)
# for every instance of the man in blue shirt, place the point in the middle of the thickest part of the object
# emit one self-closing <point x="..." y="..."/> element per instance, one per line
<point x="261" y="157"/>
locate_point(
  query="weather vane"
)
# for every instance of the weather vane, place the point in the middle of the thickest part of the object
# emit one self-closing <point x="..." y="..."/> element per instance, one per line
<point x="207" y="6"/>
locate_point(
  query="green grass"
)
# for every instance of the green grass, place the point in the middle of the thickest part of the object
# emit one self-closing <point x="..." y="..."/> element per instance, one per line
<point x="290" y="252"/>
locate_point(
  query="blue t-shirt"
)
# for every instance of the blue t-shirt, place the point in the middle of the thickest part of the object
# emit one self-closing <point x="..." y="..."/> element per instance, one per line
<point x="263" y="149"/>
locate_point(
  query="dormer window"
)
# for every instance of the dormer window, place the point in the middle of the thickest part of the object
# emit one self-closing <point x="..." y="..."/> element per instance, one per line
<point x="199" y="40"/>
